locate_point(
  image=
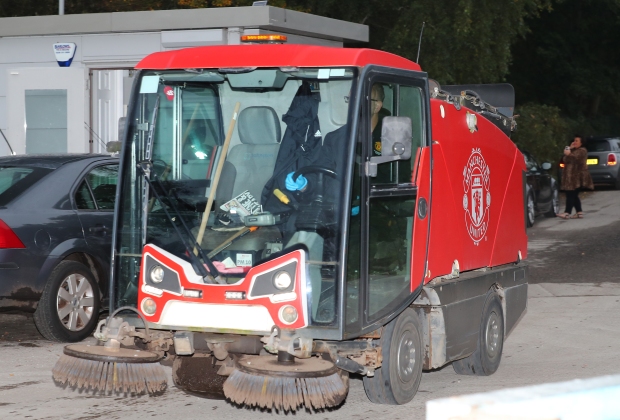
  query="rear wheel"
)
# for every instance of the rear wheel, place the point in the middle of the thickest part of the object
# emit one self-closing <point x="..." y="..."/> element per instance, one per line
<point x="531" y="209"/>
<point x="398" y="379"/>
<point x="69" y="306"/>
<point x="488" y="355"/>
<point x="555" y="202"/>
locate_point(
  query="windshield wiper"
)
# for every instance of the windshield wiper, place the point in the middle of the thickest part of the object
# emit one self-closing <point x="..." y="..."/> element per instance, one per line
<point x="213" y="274"/>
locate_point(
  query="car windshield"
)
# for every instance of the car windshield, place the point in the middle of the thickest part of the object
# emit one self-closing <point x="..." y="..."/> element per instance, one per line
<point x="218" y="149"/>
<point x="14" y="180"/>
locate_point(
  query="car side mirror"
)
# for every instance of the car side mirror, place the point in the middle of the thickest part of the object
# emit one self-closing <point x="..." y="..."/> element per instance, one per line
<point x="395" y="143"/>
<point x="546" y="166"/>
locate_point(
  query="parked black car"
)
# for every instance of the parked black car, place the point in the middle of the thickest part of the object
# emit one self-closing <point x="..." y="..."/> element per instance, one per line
<point x="542" y="192"/>
<point x="56" y="215"/>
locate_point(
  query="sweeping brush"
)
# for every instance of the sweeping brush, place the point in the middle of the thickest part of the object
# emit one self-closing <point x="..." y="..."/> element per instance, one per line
<point x="261" y="381"/>
<point x="105" y="370"/>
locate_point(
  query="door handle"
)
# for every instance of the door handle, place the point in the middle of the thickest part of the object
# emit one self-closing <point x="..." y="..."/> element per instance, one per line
<point x="422" y="208"/>
<point x="98" y="229"/>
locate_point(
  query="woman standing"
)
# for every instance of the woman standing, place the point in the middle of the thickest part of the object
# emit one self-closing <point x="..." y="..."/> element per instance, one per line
<point x="575" y="177"/>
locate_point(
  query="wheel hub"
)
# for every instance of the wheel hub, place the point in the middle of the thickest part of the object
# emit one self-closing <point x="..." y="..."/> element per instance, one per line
<point x="406" y="357"/>
<point x="492" y="335"/>
<point x="75" y="302"/>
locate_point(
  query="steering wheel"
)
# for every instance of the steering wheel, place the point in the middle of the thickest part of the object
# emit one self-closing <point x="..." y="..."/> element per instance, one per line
<point x="320" y="171"/>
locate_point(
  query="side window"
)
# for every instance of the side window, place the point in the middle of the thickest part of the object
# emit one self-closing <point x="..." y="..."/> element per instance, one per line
<point x="530" y="163"/>
<point x="395" y="100"/>
<point x="381" y="106"/>
<point x="390" y="218"/>
<point x="102" y="182"/>
<point x="83" y="198"/>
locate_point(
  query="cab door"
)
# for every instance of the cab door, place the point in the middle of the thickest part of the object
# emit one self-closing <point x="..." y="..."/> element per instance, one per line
<point x="395" y="204"/>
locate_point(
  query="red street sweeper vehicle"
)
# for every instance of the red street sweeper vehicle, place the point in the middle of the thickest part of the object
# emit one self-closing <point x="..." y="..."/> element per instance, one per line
<point x="290" y="215"/>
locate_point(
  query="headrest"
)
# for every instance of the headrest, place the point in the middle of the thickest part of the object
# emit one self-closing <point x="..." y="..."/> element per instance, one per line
<point x="259" y="125"/>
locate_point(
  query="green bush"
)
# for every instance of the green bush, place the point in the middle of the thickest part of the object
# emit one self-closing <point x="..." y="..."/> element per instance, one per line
<point x="542" y="131"/>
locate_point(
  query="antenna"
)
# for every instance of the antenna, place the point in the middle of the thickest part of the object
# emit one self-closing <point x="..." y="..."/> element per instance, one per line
<point x="417" y="60"/>
<point x="7" y="142"/>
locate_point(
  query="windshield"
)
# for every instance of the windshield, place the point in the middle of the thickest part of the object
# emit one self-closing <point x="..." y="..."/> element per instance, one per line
<point x="603" y="145"/>
<point x="247" y="163"/>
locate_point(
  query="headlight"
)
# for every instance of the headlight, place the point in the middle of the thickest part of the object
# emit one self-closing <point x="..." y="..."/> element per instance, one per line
<point x="288" y="314"/>
<point x="149" y="306"/>
<point x="282" y="280"/>
<point x="157" y="274"/>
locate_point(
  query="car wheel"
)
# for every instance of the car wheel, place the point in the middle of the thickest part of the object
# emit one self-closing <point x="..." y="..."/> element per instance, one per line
<point x="531" y="210"/>
<point x="398" y="379"/>
<point x="69" y="306"/>
<point x="617" y="184"/>
<point x="485" y="360"/>
<point x="555" y="203"/>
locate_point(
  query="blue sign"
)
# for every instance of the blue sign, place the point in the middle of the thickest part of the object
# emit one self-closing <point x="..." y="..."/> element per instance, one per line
<point x="64" y="51"/>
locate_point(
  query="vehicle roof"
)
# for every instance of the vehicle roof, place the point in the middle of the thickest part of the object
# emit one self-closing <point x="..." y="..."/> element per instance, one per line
<point x="51" y="161"/>
<point x="272" y="55"/>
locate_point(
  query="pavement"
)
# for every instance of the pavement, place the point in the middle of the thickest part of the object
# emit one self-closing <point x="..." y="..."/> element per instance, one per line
<point x="571" y="330"/>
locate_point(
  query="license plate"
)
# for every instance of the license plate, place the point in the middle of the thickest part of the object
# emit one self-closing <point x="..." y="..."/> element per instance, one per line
<point x="244" y="260"/>
<point x="593" y="161"/>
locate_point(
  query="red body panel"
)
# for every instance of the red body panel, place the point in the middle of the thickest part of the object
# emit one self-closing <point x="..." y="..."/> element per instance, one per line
<point x="420" y="227"/>
<point x="214" y="294"/>
<point x="228" y="56"/>
<point x="477" y="202"/>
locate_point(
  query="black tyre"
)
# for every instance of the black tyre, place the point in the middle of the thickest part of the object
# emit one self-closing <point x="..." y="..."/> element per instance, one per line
<point x="488" y="355"/>
<point x="69" y="306"/>
<point x="398" y="379"/>
<point x="555" y="202"/>
<point x="531" y="209"/>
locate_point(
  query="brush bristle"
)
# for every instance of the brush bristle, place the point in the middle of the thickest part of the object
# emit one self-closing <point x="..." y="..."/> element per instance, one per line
<point x="285" y="394"/>
<point x="109" y="377"/>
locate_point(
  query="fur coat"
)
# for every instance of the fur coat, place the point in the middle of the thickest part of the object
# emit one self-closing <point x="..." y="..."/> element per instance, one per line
<point x="575" y="174"/>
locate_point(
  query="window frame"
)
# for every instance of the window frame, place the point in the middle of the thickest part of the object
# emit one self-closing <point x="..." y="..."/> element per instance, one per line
<point x="361" y="130"/>
<point x="83" y="178"/>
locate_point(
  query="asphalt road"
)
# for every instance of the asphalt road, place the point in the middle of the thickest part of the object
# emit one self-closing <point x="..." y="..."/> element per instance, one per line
<point x="578" y="250"/>
<point x="571" y="330"/>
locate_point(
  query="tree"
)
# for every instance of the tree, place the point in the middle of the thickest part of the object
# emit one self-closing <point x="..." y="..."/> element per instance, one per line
<point x="577" y="69"/>
<point x="541" y="130"/>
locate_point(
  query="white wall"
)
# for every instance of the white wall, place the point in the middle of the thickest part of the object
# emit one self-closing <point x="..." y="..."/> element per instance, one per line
<point x="93" y="51"/>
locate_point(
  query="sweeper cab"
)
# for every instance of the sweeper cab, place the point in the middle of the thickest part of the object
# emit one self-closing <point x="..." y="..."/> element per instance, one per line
<point x="291" y="215"/>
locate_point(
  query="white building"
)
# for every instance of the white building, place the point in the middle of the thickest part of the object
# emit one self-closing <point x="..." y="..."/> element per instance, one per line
<point x="46" y="108"/>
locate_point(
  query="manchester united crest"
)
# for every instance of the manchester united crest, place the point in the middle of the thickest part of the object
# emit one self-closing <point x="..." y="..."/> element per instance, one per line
<point x="477" y="197"/>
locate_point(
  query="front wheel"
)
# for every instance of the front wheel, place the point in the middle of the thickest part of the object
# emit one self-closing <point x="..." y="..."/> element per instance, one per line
<point x="485" y="360"/>
<point x="555" y="202"/>
<point x="398" y="379"/>
<point x="69" y="306"/>
<point x="531" y="209"/>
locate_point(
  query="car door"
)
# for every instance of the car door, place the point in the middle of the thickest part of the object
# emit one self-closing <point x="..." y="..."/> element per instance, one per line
<point x="94" y="201"/>
<point x="396" y="202"/>
<point x="534" y="179"/>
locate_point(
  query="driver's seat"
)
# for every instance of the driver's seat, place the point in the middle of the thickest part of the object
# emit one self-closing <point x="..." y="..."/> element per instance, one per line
<point x="249" y="165"/>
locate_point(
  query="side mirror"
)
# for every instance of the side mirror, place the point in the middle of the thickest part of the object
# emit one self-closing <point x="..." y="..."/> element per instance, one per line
<point x="113" y="146"/>
<point x="395" y="143"/>
<point x="546" y="166"/>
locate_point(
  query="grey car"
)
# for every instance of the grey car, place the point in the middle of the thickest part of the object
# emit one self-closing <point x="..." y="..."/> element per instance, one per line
<point x="56" y="214"/>
<point x="604" y="160"/>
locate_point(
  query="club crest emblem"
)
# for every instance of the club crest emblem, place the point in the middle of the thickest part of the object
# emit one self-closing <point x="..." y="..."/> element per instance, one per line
<point x="477" y="197"/>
